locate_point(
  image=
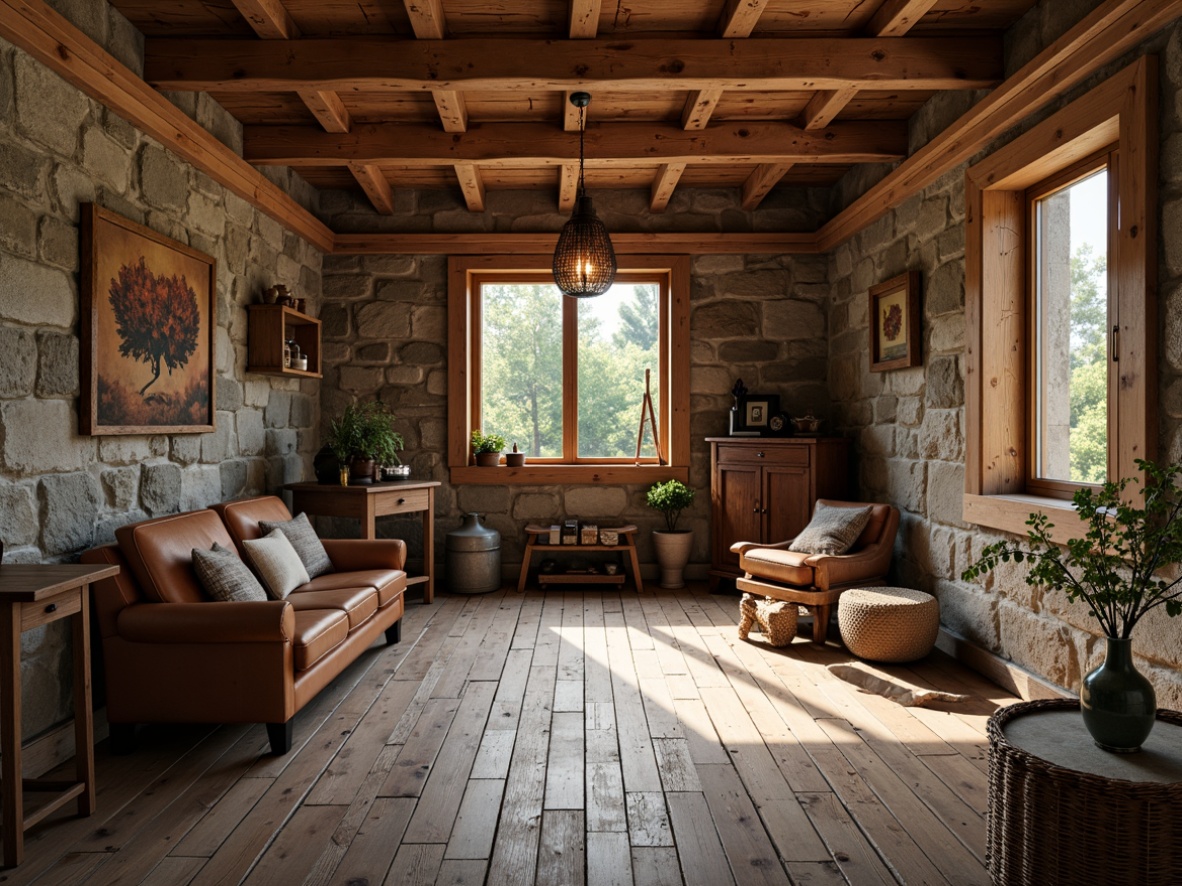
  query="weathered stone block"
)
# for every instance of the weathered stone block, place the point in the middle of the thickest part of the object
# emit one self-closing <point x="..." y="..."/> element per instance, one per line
<point x="19" y="364"/>
<point x="384" y="320"/>
<point x="121" y="486"/>
<point x="164" y="181"/>
<point x="35" y="294"/>
<point x="21" y="169"/>
<point x="280" y="441"/>
<point x="185" y="449"/>
<point x="41" y="435"/>
<point x="790" y="319"/>
<point x="945" y="289"/>
<point x="347" y="287"/>
<point x="596" y="502"/>
<point x="18" y="515"/>
<point x="945" y="387"/>
<point x="69" y="509"/>
<point x="39" y="89"/>
<point x="422" y="353"/>
<point x="57" y="365"/>
<point x="234" y="478"/>
<point x="219" y="445"/>
<point x="725" y="319"/>
<point x="251" y="434"/>
<point x="201" y="486"/>
<point x="303" y="411"/>
<point x="18" y="227"/>
<point x="106" y="159"/>
<point x="160" y="488"/>
<point x="484" y="499"/>
<point x="752" y="350"/>
<point x="278" y="411"/>
<point x="58" y="243"/>
<point x="335" y="321"/>
<point x="429" y="323"/>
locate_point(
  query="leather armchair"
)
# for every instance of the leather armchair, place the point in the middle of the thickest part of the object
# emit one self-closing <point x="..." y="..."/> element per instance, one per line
<point x="818" y="580"/>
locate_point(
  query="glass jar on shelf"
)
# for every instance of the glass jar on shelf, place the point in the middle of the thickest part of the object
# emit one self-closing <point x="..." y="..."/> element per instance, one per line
<point x="287" y="353"/>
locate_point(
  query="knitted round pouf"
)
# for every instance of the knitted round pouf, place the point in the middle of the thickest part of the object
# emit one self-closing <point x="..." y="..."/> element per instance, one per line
<point x="888" y="624"/>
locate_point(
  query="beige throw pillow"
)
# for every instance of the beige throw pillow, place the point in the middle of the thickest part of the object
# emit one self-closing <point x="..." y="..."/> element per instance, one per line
<point x="833" y="530"/>
<point x="306" y="542"/>
<point x="225" y="577"/>
<point x="277" y="563"/>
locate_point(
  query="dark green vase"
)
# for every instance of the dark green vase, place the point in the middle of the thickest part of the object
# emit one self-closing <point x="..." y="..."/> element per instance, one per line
<point x="1118" y="704"/>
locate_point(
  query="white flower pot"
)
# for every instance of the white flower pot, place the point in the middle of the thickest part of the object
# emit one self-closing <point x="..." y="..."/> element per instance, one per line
<point x="673" y="552"/>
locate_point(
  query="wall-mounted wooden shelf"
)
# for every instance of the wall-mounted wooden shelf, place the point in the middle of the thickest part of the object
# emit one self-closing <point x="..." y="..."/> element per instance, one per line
<point x="269" y="327"/>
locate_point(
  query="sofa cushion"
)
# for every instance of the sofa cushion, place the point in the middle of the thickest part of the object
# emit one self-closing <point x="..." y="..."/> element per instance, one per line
<point x="225" y="577"/>
<point x="160" y="553"/>
<point x="277" y="563"/>
<point x="304" y="539"/>
<point x="242" y="517"/>
<point x="317" y="633"/>
<point x="357" y="603"/>
<point x="833" y="530"/>
<point x="778" y="564"/>
<point x="389" y="583"/>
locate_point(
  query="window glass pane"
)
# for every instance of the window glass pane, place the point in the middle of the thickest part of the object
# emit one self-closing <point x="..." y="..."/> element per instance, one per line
<point x="521" y="366"/>
<point x="1070" y="360"/>
<point x="619" y="336"/>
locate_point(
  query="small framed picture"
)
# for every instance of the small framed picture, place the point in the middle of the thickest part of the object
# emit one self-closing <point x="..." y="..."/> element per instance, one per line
<point x="752" y="414"/>
<point x="894" y="323"/>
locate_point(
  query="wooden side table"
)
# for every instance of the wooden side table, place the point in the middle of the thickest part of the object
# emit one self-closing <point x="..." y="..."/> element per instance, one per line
<point x="1063" y="811"/>
<point x="537" y="539"/>
<point x="31" y="596"/>
<point x="367" y="503"/>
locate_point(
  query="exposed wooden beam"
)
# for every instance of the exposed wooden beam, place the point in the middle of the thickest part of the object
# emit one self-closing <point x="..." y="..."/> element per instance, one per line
<point x="739" y="17"/>
<point x="699" y="107"/>
<point x="453" y="110"/>
<point x="568" y="186"/>
<point x="269" y="18"/>
<point x="570" y="114"/>
<point x="57" y="44"/>
<point x="472" y="185"/>
<point x="1112" y="28"/>
<point x="329" y="110"/>
<point x="824" y="106"/>
<point x="896" y="17"/>
<point x="529" y="144"/>
<point x="382" y="64"/>
<point x="761" y="181"/>
<point x="375" y="185"/>
<point x="426" y="18"/>
<point x="663" y="186"/>
<point x="475" y="243"/>
<point x="584" y="19"/>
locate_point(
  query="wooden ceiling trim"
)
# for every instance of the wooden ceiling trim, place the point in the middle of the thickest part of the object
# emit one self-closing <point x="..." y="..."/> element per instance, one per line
<point x="739" y="17"/>
<point x="519" y="144"/>
<point x="54" y="42"/>
<point x="570" y="114"/>
<point x="824" y="106"/>
<point x="377" y="188"/>
<point x="377" y="64"/>
<point x="761" y="181"/>
<point x="426" y="19"/>
<point x="896" y="17"/>
<point x="328" y="109"/>
<point x="472" y="186"/>
<point x="568" y="186"/>
<point x="1112" y="28"/>
<point x="269" y="18"/>
<point x="664" y="185"/>
<point x="584" y="19"/>
<point x="475" y="243"/>
<point x="699" y="108"/>
<point x="453" y="110"/>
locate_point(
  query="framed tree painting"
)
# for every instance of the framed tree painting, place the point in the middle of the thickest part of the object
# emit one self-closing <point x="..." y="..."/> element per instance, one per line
<point x="894" y="323"/>
<point x="148" y="325"/>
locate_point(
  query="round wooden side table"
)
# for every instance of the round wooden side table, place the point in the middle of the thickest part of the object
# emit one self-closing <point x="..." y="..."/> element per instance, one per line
<point x="1063" y="811"/>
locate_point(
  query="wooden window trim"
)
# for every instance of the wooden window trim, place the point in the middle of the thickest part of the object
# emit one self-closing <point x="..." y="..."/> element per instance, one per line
<point x="1121" y="110"/>
<point x="462" y="368"/>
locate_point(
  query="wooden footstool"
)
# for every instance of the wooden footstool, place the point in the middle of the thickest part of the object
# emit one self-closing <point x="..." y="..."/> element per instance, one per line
<point x="888" y="624"/>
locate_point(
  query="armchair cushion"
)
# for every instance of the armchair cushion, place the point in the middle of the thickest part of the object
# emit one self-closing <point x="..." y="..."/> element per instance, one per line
<point x="277" y="563"/>
<point x="225" y="577"/>
<point x="304" y="539"/>
<point x="833" y="529"/>
<point x="777" y="564"/>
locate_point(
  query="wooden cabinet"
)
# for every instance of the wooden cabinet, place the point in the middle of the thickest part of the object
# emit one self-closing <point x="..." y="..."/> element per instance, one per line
<point x="763" y="489"/>
<point x="269" y="327"/>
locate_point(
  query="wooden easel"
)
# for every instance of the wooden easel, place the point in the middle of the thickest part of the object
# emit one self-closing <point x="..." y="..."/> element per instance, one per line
<point x="647" y="414"/>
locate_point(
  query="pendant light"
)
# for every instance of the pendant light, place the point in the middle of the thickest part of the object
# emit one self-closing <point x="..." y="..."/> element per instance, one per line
<point x="584" y="261"/>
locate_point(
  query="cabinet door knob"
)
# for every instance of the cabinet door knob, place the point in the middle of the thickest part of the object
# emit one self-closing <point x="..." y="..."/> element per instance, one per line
<point x="52" y="607"/>
<point x="755" y="510"/>
<point x="402" y="501"/>
<point x="759" y="454"/>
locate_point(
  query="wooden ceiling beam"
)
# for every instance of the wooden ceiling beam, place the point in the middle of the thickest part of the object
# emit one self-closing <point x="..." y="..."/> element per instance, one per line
<point x="584" y="19"/>
<point x="426" y="18"/>
<point x="472" y="186"/>
<point x="663" y="186"/>
<point x="824" y="106"/>
<point x="699" y="108"/>
<point x="269" y="18"/>
<point x="453" y="110"/>
<point x="529" y="65"/>
<point x="476" y="243"/>
<point x="760" y="182"/>
<point x="895" y="18"/>
<point x="568" y="186"/>
<point x="373" y="181"/>
<point x="328" y="109"/>
<point x="739" y="17"/>
<point x="532" y="144"/>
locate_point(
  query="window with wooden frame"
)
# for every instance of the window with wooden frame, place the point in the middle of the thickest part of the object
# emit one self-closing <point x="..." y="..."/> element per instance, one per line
<point x="565" y="378"/>
<point x="1036" y="306"/>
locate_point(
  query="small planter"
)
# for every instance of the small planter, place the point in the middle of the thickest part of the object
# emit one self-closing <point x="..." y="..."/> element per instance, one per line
<point x="488" y="459"/>
<point x="514" y="459"/>
<point x="361" y="471"/>
<point x="673" y="553"/>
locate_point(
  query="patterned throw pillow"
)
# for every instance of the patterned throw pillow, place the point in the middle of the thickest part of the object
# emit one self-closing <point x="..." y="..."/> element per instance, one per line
<point x="833" y="530"/>
<point x="277" y="563"/>
<point x="225" y="577"/>
<point x="305" y="541"/>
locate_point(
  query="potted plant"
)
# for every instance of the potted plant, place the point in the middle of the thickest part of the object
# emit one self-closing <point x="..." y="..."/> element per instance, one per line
<point x="362" y="436"/>
<point x="487" y="448"/>
<point x="1114" y="568"/>
<point x="672" y="545"/>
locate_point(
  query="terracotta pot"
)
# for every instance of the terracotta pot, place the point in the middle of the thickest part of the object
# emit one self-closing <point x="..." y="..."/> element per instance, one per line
<point x="488" y="459"/>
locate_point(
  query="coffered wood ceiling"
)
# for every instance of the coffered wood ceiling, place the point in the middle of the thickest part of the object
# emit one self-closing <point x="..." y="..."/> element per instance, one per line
<point x="471" y="95"/>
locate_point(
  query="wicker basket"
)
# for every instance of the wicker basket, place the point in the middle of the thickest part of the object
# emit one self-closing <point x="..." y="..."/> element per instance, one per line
<point x="888" y="624"/>
<point x="1049" y="825"/>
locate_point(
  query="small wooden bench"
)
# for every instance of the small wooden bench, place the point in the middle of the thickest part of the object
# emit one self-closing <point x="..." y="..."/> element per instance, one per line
<point x="538" y="539"/>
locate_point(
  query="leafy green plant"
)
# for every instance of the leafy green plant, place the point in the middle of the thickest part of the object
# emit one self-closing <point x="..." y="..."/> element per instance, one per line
<point x="1114" y="567"/>
<point x="670" y="498"/>
<point x="487" y="442"/>
<point x="365" y="429"/>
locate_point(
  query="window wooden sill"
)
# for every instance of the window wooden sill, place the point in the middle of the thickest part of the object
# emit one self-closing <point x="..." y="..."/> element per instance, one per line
<point x="552" y="475"/>
<point x="1010" y="512"/>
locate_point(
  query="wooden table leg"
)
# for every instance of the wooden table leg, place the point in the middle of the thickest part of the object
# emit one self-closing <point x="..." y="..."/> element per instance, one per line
<point x="525" y="561"/>
<point x="10" y="735"/>
<point x="369" y="527"/>
<point x="429" y="546"/>
<point x="83" y="712"/>
<point x="635" y="565"/>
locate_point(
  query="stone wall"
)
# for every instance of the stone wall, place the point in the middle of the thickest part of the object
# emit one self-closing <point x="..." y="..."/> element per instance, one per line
<point x="759" y="318"/>
<point x="61" y="492"/>
<point x="909" y="424"/>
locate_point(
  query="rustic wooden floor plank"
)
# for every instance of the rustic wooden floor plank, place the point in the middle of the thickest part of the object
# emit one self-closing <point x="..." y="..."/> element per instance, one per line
<point x="457" y="872"/>
<point x="565" y="765"/>
<point x="562" y="856"/>
<point x="605" y="797"/>
<point x="963" y="778"/>
<point x="816" y="873"/>
<point x="753" y="858"/>
<point x="853" y="854"/>
<point x="205" y="838"/>
<point x="675" y="765"/>
<point x="648" y="819"/>
<point x="296" y="847"/>
<point x="476" y="824"/>
<point x="655" y="866"/>
<point x="174" y="871"/>
<point x="370" y="848"/>
<point x="495" y="753"/>
<point x="510" y="690"/>
<point x="490" y="657"/>
<point x="416" y="864"/>
<point x="417" y="757"/>
<point x="609" y="859"/>
<point x="703" y="861"/>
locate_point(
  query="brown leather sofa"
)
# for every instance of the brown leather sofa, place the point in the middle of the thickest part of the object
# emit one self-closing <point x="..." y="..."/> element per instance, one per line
<point x="171" y="654"/>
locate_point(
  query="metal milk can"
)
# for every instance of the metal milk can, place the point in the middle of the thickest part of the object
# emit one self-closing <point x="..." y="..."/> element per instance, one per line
<point x="473" y="558"/>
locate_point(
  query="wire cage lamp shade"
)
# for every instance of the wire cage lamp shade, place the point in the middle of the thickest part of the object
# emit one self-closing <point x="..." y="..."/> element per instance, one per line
<point x="584" y="260"/>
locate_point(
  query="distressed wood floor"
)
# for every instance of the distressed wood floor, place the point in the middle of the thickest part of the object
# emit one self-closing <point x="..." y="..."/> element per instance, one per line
<point x="563" y="738"/>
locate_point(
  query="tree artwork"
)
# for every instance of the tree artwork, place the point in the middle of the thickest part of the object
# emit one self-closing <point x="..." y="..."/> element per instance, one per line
<point x="157" y="318"/>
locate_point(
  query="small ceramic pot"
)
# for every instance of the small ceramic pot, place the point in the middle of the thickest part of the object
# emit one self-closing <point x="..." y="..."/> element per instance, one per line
<point x="488" y="459"/>
<point x="514" y="459"/>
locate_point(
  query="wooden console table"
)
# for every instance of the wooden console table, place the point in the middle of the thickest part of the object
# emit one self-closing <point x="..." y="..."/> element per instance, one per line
<point x="537" y="539"/>
<point x="367" y="503"/>
<point x="34" y="595"/>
